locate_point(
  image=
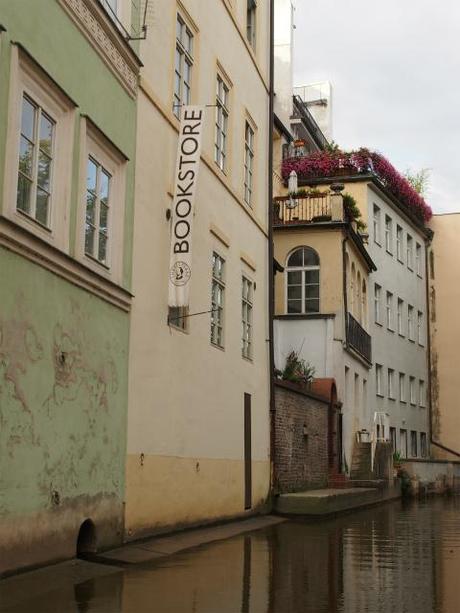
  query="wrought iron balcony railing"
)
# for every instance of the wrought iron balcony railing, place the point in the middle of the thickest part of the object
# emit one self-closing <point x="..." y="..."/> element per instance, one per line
<point x="358" y="338"/>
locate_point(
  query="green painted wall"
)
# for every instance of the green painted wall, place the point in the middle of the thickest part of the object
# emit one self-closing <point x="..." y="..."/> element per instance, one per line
<point x="63" y="390"/>
<point x="63" y="350"/>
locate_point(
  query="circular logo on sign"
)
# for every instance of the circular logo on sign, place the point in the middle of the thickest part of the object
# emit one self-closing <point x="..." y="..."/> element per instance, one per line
<point x="180" y="273"/>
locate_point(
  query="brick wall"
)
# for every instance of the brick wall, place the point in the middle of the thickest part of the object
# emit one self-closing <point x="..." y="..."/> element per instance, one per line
<point x="301" y="461"/>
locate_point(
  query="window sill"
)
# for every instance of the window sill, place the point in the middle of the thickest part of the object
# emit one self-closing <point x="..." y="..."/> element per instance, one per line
<point x="220" y="347"/>
<point x="389" y="252"/>
<point x="379" y="395"/>
<point x="411" y="340"/>
<point x="400" y="334"/>
<point x="177" y="328"/>
<point x="403" y="401"/>
<point x="419" y="276"/>
<point x="33" y="221"/>
<point x="250" y="360"/>
<point x="377" y="323"/>
<point x="98" y="262"/>
<point x="391" y="330"/>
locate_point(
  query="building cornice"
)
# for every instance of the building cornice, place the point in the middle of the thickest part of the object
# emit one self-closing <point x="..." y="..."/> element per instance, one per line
<point x="18" y="240"/>
<point x="97" y="27"/>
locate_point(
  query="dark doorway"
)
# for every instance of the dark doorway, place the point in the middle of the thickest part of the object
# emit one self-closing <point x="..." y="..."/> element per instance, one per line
<point x="86" y="541"/>
<point x="247" y="453"/>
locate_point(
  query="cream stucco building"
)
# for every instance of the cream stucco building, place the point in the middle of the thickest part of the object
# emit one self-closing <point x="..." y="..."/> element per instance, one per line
<point x="198" y="424"/>
<point x="321" y="307"/>
<point x="444" y="272"/>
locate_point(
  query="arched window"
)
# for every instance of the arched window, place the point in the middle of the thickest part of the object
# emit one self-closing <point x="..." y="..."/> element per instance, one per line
<point x="302" y="270"/>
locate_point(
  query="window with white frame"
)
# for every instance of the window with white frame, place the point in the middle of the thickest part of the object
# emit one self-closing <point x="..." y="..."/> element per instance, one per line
<point x="420" y="327"/>
<point x="412" y="392"/>
<point x="217" y="300"/>
<point x="222" y="112"/>
<point x="251" y="22"/>
<point x="391" y="383"/>
<point x="410" y="322"/>
<point x="389" y="311"/>
<point x="399" y="243"/>
<point x="98" y="203"/>
<point x="248" y="162"/>
<point x="400" y="317"/>
<point x="183" y="65"/>
<point x="302" y="281"/>
<point x="418" y="259"/>
<point x="377" y="223"/>
<point x="378" y="380"/>
<point x="421" y="393"/>
<point x="402" y="387"/>
<point x="35" y="170"/>
<point x="100" y="243"/>
<point x="388" y="234"/>
<point x="377" y="300"/>
<point x="410" y="252"/>
<point x="246" y="320"/>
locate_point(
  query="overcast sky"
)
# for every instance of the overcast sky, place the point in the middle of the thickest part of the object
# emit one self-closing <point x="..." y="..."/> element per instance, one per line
<point x="394" y="66"/>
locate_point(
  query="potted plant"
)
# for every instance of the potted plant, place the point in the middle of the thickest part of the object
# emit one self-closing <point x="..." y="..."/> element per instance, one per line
<point x="397" y="462"/>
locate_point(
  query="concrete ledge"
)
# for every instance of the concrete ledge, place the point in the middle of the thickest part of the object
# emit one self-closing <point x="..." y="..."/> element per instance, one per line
<point x="319" y="503"/>
<point x="159" y="547"/>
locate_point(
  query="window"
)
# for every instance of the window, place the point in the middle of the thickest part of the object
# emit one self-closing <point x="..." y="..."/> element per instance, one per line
<point x="391" y="383"/>
<point x="100" y="242"/>
<point x="217" y="300"/>
<point x="413" y="443"/>
<point x="111" y="6"/>
<point x="400" y="317"/>
<point x="248" y="162"/>
<point x="303" y="281"/>
<point x="389" y="311"/>
<point x="183" y="66"/>
<point x="98" y="201"/>
<point x="412" y="398"/>
<point x="36" y="150"/>
<point x="388" y="234"/>
<point x="251" y="22"/>
<point x="399" y="243"/>
<point x="420" y="327"/>
<point x="423" y="446"/>
<point x="410" y="252"/>
<point x="220" y="149"/>
<point x="246" y="303"/>
<point x="377" y="224"/>
<point x="418" y="259"/>
<point x="421" y="393"/>
<point x="393" y="438"/>
<point x="178" y="317"/>
<point x="410" y="322"/>
<point x="403" y="442"/>
<point x="402" y="387"/>
<point x="377" y="295"/>
<point x="378" y="380"/>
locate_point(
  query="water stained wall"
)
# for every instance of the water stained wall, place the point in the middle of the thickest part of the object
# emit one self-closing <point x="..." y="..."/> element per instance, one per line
<point x="63" y="365"/>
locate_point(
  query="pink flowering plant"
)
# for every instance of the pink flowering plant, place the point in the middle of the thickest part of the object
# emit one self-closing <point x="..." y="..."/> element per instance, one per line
<point x="334" y="162"/>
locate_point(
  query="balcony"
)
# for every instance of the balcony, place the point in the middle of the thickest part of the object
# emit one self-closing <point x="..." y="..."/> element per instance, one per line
<point x="311" y="208"/>
<point x="358" y="339"/>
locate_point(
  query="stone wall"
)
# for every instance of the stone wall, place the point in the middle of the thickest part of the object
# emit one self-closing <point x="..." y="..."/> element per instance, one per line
<point x="432" y="476"/>
<point x="301" y="425"/>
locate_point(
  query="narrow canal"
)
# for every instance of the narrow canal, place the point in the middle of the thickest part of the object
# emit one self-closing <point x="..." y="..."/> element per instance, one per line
<point x="399" y="557"/>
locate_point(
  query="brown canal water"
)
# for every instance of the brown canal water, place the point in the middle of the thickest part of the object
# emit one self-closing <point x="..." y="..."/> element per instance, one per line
<point x="399" y="557"/>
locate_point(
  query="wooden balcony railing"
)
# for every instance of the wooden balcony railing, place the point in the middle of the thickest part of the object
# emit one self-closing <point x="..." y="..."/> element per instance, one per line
<point x="303" y="209"/>
<point x="358" y="338"/>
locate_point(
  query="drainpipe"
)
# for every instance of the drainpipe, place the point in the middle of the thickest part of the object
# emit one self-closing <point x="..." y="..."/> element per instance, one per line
<point x="271" y="292"/>
<point x="430" y="404"/>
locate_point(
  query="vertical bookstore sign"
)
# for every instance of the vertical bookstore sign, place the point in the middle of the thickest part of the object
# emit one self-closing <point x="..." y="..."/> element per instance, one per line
<point x="187" y="165"/>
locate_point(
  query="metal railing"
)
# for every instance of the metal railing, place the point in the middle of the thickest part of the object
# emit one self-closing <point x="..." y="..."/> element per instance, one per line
<point x="301" y="111"/>
<point x="301" y="209"/>
<point x="358" y="338"/>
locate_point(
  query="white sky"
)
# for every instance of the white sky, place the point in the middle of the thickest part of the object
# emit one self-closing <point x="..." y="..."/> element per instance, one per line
<point x="394" y="66"/>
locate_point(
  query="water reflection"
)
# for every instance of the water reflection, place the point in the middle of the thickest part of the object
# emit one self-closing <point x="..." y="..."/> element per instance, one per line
<point x="401" y="558"/>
